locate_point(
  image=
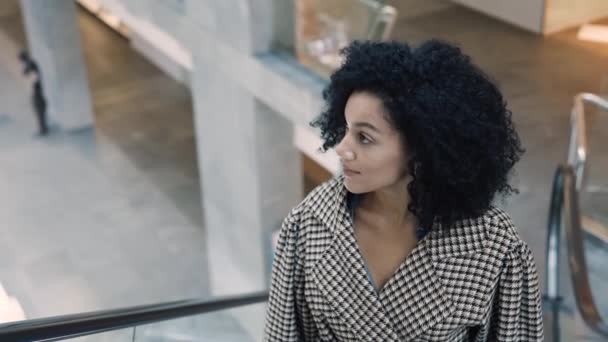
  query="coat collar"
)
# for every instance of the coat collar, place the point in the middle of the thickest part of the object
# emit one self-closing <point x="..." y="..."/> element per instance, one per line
<point x="328" y="205"/>
<point x="412" y="301"/>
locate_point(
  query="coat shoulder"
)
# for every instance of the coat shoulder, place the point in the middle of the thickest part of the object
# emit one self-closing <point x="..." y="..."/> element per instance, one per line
<point x="323" y="195"/>
<point x="314" y="216"/>
<point x="500" y="230"/>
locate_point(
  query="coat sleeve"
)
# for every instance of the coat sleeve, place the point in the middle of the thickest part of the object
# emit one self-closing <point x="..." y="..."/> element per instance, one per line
<point x="518" y="307"/>
<point x="287" y="316"/>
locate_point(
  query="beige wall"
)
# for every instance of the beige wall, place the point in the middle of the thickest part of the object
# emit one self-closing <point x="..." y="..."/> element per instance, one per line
<point x="8" y="7"/>
<point x="541" y="16"/>
<point x="527" y="14"/>
<point x="563" y="14"/>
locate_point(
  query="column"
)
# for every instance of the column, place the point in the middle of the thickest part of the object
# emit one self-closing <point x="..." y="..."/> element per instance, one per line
<point x="54" y="43"/>
<point x="250" y="170"/>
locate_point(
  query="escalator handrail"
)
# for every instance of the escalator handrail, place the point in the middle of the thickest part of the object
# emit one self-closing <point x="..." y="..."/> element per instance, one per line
<point x="577" y="150"/>
<point x="570" y="211"/>
<point x="81" y="324"/>
<point x="552" y="256"/>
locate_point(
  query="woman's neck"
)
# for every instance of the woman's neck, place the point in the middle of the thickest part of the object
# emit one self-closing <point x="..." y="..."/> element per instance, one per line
<point x="391" y="204"/>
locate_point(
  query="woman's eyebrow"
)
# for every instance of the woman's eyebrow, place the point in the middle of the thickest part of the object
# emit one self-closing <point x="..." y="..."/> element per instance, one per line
<point x="366" y="124"/>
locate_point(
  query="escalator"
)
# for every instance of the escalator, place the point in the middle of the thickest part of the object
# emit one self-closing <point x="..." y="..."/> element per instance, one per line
<point x="565" y="212"/>
<point x="188" y="320"/>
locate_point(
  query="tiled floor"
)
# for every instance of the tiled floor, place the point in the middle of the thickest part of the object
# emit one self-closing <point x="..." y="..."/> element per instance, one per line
<point x="81" y="215"/>
<point x="106" y="217"/>
<point x="127" y="227"/>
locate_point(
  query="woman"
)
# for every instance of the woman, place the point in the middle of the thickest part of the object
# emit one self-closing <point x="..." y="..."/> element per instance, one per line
<point x="406" y="245"/>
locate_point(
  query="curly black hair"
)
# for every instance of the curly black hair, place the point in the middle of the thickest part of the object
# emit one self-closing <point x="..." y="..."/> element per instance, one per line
<point x="453" y="118"/>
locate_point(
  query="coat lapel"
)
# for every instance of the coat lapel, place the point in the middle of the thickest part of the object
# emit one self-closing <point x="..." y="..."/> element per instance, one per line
<point x="340" y="273"/>
<point x="414" y="298"/>
<point x="411" y="302"/>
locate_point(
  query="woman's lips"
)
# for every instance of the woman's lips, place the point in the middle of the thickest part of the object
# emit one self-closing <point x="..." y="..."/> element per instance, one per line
<point x="348" y="172"/>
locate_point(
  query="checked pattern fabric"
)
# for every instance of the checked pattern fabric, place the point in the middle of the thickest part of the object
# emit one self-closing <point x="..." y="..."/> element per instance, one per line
<point x="476" y="281"/>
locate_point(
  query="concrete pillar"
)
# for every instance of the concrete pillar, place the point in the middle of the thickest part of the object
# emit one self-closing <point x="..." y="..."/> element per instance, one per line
<point x="250" y="171"/>
<point x="54" y="43"/>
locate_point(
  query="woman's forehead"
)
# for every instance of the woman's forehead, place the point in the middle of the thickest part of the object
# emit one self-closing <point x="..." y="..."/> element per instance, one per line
<point x="363" y="109"/>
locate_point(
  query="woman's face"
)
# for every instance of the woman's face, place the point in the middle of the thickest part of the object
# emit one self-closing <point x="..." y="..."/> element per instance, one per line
<point x="372" y="152"/>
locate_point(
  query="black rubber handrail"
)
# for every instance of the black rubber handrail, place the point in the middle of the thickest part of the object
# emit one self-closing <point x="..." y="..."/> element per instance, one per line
<point x="552" y="297"/>
<point x="70" y="326"/>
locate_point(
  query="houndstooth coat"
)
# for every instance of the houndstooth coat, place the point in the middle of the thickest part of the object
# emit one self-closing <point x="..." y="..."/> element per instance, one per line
<point x="474" y="282"/>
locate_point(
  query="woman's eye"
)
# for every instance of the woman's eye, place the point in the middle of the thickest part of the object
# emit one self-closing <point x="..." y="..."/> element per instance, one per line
<point x="363" y="139"/>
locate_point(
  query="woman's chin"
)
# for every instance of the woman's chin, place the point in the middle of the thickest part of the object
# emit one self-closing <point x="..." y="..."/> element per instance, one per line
<point x="352" y="186"/>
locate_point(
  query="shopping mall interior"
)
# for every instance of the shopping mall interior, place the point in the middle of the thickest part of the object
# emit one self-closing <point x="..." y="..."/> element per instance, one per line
<point x="141" y="193"/>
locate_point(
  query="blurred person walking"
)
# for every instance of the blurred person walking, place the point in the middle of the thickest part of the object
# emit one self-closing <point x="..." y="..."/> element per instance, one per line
<point x="38" y="101"/>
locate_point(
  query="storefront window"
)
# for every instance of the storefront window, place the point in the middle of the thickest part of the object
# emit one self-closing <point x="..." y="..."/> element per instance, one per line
<point x="321" y="28"/>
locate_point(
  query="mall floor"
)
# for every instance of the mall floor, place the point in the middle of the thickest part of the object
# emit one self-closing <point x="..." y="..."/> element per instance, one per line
<point x="113" y="213"/>
<point x="110" y="216"/>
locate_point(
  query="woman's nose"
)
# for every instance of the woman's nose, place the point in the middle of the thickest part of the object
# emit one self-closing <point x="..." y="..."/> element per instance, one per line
<point x="344" y="151"/>
<point x="341" y="147"/>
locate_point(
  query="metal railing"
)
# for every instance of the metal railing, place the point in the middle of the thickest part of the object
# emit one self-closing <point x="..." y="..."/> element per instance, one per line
<point x="567" y="185"/>
<point x="82" y="324"/>
<point x="576" y="255"/>
<point x="577" y="151"/>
